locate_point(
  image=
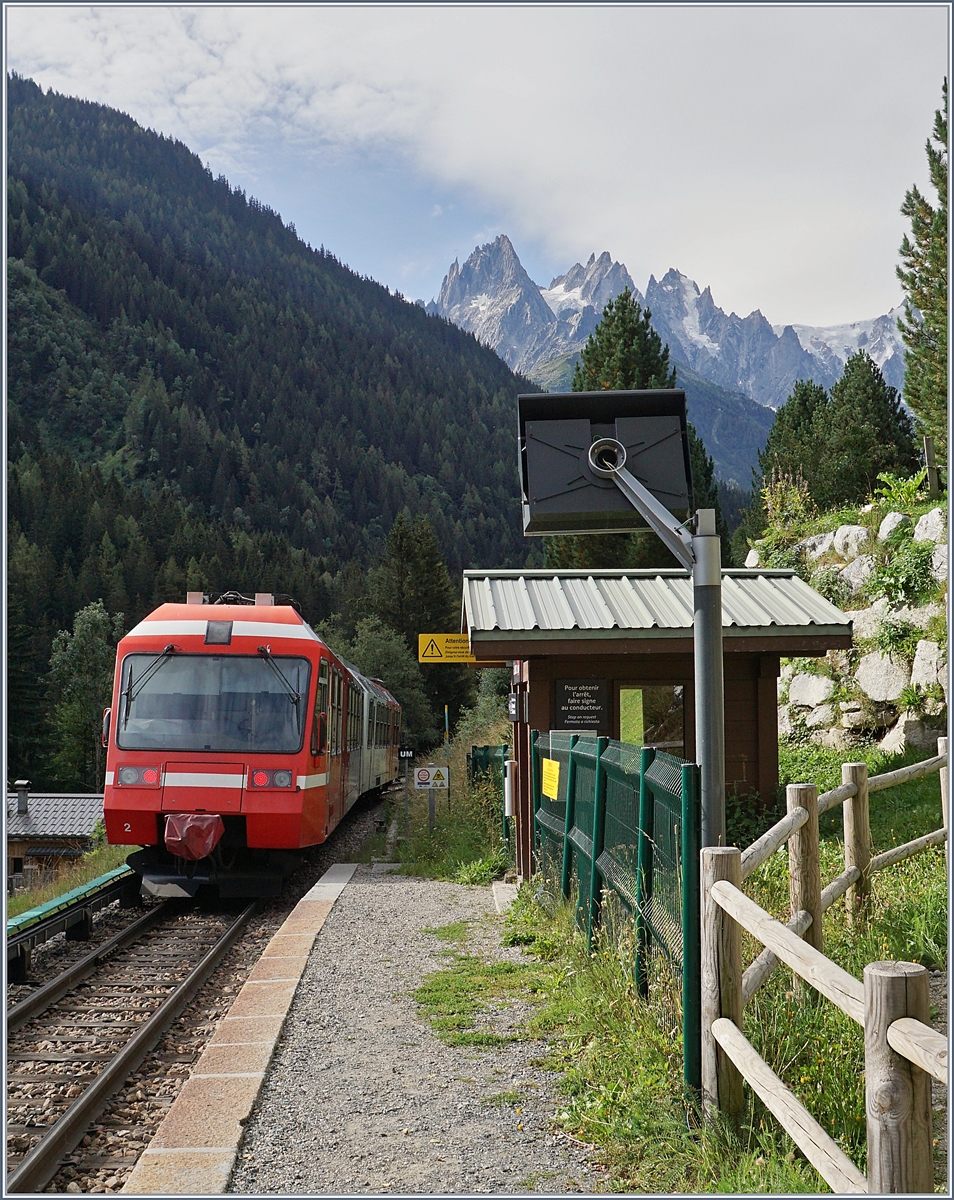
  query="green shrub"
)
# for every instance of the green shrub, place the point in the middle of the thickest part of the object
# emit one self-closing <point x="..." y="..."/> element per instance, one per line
<point x="905" y="578"/>
<point x="898" y="638"/>
<point x="896" y="492"/>
<point x="835" y="589"/>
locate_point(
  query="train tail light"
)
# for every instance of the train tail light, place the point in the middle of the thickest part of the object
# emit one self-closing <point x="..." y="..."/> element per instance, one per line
<point x="258" y="777"/>
<point x="138" y="776"/>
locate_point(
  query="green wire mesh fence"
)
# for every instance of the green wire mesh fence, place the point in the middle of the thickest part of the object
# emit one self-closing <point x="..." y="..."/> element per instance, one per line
<point x="617" y="830"/>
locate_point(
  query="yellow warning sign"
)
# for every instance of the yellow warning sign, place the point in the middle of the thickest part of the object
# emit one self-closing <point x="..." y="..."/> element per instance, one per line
<point x="444" y="647"/>
<point x="551" y="778"/>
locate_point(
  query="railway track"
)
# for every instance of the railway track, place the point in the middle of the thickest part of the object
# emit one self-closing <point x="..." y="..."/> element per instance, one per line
<point x="73" y="1043"/>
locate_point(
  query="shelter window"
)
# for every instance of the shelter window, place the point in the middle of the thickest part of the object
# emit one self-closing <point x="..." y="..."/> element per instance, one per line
<point x="653" y="715"/>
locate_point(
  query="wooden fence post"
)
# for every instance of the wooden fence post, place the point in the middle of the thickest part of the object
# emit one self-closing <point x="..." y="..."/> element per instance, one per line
<point x="857" y="837"/>
<point x="721" y="982"/>
<point x="897" y="1093"/>
<point x="804" y="869"/>
<point x="942" y="749"/>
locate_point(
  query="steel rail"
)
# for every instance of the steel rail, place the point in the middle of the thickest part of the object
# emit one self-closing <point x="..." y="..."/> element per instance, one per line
<point x="50" y="992"/>
<point x="42" y="1162"/>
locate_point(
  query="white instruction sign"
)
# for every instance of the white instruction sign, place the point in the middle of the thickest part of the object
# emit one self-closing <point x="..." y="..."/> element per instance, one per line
<point x="431" y="777"/>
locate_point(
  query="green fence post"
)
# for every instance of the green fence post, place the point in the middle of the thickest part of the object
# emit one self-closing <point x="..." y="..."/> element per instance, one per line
<point x="534" y="789"/>
<point x="503" y="792"/>
<point x="691" y="934"/>
<point x="599" y="825"/>
<point x="644" y="869"/>
<point x="568" y="821"/>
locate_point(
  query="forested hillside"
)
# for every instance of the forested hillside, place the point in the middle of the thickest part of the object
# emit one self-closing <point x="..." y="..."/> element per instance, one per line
<point x="199" y="399"/>
<point x="163" y="322"/>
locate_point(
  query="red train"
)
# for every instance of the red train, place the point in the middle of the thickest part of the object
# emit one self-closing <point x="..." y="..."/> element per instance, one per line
<point x="235" y="739"/>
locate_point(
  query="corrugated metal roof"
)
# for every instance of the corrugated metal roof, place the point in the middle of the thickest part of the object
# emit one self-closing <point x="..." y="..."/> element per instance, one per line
<point x="639" y="603"/>
<point x="54" y="815"/>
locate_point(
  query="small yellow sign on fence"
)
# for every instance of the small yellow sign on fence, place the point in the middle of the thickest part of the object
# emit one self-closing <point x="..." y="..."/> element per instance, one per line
<point x="551" y="778"/>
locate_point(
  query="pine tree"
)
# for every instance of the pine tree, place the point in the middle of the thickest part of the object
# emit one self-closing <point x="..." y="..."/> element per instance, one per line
<point x="924" y="278"/>
<point x="865" y="430"/>
<point x="411" y="592"/>
<point x="625" y="353"/>
<point x="836" y="442"/>
<point x="81" y="677"/>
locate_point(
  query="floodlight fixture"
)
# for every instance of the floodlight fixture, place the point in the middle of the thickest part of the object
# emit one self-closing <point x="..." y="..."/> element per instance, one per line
<point x="601" y="462"/>
<point x="568" y="440"/>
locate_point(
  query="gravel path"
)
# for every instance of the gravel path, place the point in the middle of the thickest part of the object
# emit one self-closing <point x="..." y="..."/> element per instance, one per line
<point x="363" y="1098"/>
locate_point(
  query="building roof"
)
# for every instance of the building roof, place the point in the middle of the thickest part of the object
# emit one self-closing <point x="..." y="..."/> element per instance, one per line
<point x="54" y="815"/>
<point x="552" y="605"/>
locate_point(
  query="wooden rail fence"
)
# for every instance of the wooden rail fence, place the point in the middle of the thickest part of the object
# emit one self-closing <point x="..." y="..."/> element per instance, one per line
<point x="891" y="1004"/>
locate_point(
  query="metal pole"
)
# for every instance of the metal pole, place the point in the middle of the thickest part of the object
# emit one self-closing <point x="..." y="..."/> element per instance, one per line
<point x="930" y="463"/>
<point x="709" y="685"/>
<point x="447" y="751"/>
<point x="431" y="811"/>
<point x="407" y="798"/>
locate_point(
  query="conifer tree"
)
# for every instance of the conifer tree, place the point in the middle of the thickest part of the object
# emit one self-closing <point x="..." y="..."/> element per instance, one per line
<point x="924" y="277"/>
<point x="836" y="442"/>
<point x="624" y="353"/>
<point x="81" y="677"/>
<point x="411" y="592"/>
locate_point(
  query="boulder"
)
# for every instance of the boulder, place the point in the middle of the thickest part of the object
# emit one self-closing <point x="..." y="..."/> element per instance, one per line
<point x="927" y="668"/>
<point x="908" y="732"/>
<point x="810" y="690"/>
<point x="865" y="621"/>
<point x="858" y="571"/>
<point x="850" y="540"/>
<point x="752" y="559"/>
<point x="880" y="677"/>
<point x="893" y="521"/>
<point x="939" y="562"/>
<point x="835" y="739"/>
<point x="932" y="527"/>
<point x="784" y="721"/>
<point x="921" y="616"/>
<point x="822" y="717"/>
<point x="817" y="545"/>
<point x="854" y="719"/>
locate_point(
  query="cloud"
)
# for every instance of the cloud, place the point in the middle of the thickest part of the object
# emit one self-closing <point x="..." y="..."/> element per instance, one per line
<point x="764" y="150"/>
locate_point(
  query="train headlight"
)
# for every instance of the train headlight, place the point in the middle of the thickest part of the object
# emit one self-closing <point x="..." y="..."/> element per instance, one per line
<point x="129" y="775"/>
<point x="283" y="778"/>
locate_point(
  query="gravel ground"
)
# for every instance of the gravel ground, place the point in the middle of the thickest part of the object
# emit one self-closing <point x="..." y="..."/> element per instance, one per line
<point x="363" y="1098"/>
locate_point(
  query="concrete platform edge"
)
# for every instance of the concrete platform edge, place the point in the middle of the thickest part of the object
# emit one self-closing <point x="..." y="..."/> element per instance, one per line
<point x="194" y="1149"/>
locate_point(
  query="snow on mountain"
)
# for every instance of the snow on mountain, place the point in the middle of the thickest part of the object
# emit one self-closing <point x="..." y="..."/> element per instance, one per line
<point x="531" y="327"/>
<point x="593" y="286"/>
<point x="493" y="297"/>
<point x="833" y="345"/>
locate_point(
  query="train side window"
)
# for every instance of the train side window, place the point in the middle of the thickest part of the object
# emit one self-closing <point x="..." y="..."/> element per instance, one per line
<point x="336" y="725"/>
<point x="319" y="733"/>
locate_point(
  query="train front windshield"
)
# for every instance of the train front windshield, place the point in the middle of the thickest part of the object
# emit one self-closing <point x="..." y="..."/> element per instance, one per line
<point x="201" y="702"/>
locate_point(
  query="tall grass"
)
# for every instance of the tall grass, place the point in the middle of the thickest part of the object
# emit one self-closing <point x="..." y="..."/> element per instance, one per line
<point x="84" y="870"/>
<point x="621" y="1057"/>
<point x="467" y="844"/>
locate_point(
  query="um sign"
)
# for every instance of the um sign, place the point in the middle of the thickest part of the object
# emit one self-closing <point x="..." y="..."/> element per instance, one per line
<point x="560" y="491"/>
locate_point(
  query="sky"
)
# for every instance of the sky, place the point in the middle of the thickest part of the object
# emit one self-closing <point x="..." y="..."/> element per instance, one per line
<point x="764" y="151"/>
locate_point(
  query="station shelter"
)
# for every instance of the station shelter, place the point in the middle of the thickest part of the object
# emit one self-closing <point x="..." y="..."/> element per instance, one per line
<point x="611" y="652"/>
